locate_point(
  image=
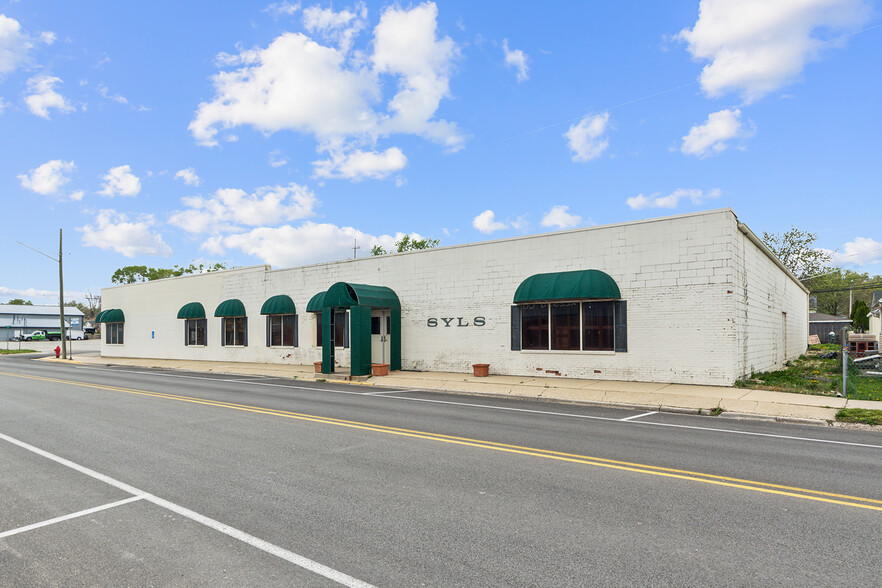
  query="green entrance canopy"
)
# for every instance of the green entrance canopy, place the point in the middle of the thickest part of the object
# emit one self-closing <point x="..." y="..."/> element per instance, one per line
<point x="281" y="304"/>
<point x="111" y="315"/>
<point x="315" y="303"/>
<point x="574" y="285"/>
<point x="192" y="310"/>
<point x="345" y="295"/>
<point x="231" y="307"/>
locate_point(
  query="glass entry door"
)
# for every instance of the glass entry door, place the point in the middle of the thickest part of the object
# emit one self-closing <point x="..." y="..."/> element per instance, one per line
<point x="381" y="324"/>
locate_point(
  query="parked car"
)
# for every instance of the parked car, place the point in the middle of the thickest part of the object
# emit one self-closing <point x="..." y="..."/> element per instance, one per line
<point x="35" y="336"/>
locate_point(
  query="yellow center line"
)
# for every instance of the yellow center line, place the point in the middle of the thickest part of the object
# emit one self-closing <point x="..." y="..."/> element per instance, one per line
<point x="792" y="491"/>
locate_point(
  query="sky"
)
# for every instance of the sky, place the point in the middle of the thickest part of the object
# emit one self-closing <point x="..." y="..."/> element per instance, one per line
<point x="169" y="133"/>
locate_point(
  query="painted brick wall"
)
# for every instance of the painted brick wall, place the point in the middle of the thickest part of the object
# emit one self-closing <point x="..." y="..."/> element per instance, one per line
<point x="771" y="311"/>
<point x="683" y="279"/>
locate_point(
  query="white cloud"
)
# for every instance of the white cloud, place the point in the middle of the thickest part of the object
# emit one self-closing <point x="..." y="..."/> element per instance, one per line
<point x="486" y="222"/>
<point x="42" y="96"/>
<point x="586" y="139"/>
<point x="114" y="231"/>
<point x="300" y="85"/>
<point x="517" y="59"/>
<point x="406" y="45"/>
<point x="559" y="217"/>
<point x="277" y="158"/>
<point x="288" y="246"/>
<point x="78" y="195"/>
<point x="120" y="181"/>
<point x="861" y="251"/>
<point x="188" y="176"/>
<point x="757" y="46"/>
<point x="711" y="137"/>
<point x="337" y="27"/>
<point x="47" y="37"/>
<point x="48" y="178"/>
<point x="14" y="45"/>
<point x="105" y="93"/>
<point x="230" y="208"/>
<point x="357" y="165"/>
<point x="277" y="9"/>
<point x="672" y="200"/>
<point x="293" y="84"/>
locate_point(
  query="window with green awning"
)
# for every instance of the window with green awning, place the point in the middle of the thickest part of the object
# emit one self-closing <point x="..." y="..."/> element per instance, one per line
<point x="577" y="310"/>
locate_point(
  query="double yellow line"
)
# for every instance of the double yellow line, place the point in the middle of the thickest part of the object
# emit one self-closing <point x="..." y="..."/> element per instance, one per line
<point x="791" y="491"/>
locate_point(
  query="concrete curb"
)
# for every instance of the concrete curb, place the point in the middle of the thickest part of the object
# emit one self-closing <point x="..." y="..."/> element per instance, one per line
<point x="594" y="395"/>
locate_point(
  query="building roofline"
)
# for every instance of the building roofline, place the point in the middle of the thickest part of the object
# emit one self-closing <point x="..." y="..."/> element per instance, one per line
<point x="521" y="237"/>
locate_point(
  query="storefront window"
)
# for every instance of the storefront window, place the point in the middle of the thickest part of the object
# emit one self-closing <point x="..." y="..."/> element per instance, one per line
<point x="571" y="326"/>
<point x="599" y="328"/>
<point x="194" y="331"/>
<point x="534" y="321"/>
<point x="565" y="326"/>
<point x="113" y="333"/>
<point x="281" y="330"/>
<point x="234" y="331"/>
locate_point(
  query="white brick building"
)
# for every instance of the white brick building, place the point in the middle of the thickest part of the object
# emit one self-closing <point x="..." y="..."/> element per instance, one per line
<point x="693" y="299"/>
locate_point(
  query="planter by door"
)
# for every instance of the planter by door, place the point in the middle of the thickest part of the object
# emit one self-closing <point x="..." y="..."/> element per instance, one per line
<point x="318" y="367"/>
<point x="482" y="370"/>
<point x="380" y="369"/>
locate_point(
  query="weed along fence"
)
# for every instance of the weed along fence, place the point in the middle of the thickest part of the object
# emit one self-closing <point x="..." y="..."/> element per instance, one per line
<point x="861" y="366"/>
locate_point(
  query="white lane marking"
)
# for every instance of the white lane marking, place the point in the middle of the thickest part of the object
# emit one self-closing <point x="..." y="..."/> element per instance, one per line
<point x="289" y="556"/>
<point x="381" y="392"/>
<point x="639" y="416"/>
<point x="68" y="517"/>
<point x="542" y="412"/>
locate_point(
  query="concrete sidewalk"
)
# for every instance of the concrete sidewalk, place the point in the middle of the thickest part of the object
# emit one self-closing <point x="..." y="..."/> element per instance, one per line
<point x="735" y="402"/>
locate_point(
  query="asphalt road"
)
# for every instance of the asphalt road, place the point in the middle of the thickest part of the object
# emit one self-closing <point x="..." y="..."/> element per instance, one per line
<point x="201" y="479"/>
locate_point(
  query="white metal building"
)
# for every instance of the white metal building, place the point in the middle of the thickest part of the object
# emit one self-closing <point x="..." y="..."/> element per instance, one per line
<point x="18" y="320"/>
<point x="694" y="298"/>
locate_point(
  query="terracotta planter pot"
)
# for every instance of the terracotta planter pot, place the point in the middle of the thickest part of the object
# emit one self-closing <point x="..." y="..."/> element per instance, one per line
<point x="318" y="367"/>
<point x="380" y="369"/>
<point x="481" y="370"/>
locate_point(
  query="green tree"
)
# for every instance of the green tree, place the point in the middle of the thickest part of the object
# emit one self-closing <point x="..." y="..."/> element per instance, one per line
<point x="834" y="288"/>
<point x="20" y="301"/>
<point x="141" y="273"/>
<point x="794" y="249"/>
<point x="78" y="305"/>
<point x="407" y="243"/>
<point x="859" y="312"/>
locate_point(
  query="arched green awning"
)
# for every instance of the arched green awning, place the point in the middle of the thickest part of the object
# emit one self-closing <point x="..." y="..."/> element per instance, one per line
<point x="111" y="315"/>
<point x="231" y="307"/>
<point x="345" y="295"/>
<point x="315" y="303"/>
<point x="281" y="304"/>
<point x="574" y="285"/>
<point x="192" y="310"/>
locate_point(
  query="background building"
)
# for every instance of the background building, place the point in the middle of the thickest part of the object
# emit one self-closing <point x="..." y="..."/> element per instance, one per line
<point x="19" y="320"/>
<point x="693" y="298"/>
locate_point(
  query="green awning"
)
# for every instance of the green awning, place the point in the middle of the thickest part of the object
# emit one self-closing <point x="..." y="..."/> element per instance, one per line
<point x="575" y="285"/>
<point x="315" y="303"/>
<point x="281" y="304"/>
<point x="345" y="295"/>
<point x="231" y="307"/>
<point x="192" y="310"/>
<point x="111" y="315"/>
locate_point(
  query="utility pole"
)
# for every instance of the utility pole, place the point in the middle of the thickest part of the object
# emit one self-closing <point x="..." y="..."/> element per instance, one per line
<point x="61" y="299"/>
<point x="354" y="248"/>
<point x="60" y="289"/>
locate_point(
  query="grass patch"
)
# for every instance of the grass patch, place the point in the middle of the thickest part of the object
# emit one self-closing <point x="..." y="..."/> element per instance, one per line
<point x="812" y="374"/>
<point x="716" y="411"/>
<point x="14" y="351"/>
<point x="860" y="415"/>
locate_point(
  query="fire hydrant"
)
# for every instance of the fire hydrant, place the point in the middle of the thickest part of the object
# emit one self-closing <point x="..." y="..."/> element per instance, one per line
<point x="57" y="352"/>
